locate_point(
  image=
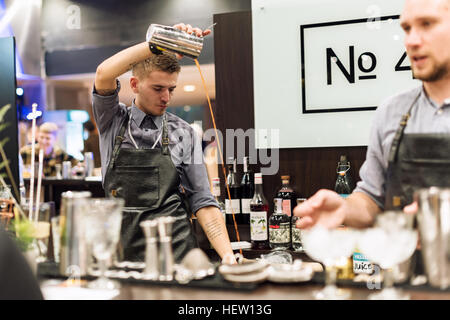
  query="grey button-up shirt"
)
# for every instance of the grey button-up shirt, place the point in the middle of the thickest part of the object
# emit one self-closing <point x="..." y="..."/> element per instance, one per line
<point x="185" y="145"/>
<point x="426" y="117"/>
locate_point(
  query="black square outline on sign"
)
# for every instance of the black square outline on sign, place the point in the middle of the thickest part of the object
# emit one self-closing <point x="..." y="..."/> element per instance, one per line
<point x="302" y="60"/>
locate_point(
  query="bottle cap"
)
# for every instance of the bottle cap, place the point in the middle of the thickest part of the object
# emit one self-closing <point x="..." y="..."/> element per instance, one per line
<point x="285" y="177"/>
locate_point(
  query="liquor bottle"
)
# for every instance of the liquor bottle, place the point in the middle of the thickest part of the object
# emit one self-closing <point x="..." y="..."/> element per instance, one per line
<point x="216" y="194"/>
<point x="247" y="192"/>
<point x="233" y="205"/>
<point x="287" y="195"/>
<point x="259" y="209"/>
<point x="296" y="233"/>
<point x="279" y="228"/>
<point x="344" y="183"/>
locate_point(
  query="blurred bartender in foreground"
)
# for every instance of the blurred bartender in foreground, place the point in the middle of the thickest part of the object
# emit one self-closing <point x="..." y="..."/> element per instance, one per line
<point x="148" y="154"/>
<point x="409" y="145"/>
<point x="46" y="140"/>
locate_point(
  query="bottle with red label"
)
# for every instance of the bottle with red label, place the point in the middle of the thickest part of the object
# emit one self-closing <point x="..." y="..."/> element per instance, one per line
<point x="287" y="195"/>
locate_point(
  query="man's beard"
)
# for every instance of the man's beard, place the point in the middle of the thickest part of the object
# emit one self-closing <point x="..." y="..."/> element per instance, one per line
<point x="437" y="74"/>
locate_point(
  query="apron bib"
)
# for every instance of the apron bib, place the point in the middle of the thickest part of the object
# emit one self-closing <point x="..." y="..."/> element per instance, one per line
<point x="416" y="161"/>
<point x="149" y="183"/>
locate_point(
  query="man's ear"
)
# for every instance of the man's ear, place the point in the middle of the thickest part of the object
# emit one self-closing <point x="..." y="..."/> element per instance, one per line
<point x="134" y="82"/>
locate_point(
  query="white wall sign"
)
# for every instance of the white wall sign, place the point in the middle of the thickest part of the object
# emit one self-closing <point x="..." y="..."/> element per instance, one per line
<point x="321" y="68"/>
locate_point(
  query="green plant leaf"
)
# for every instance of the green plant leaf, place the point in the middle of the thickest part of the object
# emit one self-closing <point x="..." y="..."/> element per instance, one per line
<point x="3" y="164"/>
<point x="4" y="141"/>
<point x="3" y="126"/>
<point x="3" y="111"/>
<point x="24" y="231"/>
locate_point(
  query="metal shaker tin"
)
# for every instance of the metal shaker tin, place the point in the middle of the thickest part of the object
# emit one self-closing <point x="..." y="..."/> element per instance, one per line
<point x="74" y="251"/>
<point x="174" y="40"/>
<point x="89" y="163"/>
<point x="66" y="170"/>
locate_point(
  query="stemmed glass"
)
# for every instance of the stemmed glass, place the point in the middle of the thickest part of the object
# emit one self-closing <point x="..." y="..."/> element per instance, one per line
<point x="330" y="246"/>
<point x="390" y="242"/>
<point x="103" y="219"/>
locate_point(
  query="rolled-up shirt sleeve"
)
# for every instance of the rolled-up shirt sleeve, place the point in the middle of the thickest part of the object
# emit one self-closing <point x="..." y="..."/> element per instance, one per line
<point x="194" y="178"/>
<point x="105" y="108"/>
<point x="373" y="171"/>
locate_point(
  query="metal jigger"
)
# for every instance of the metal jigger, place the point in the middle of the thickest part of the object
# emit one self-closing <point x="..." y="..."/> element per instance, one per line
<point x="166" y="253"/>
<point x="150" y="229"/>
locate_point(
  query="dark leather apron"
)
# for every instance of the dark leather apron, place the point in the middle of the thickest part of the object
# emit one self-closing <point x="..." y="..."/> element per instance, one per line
<point x="149" y="183"/>
<point x="416" y="160"/>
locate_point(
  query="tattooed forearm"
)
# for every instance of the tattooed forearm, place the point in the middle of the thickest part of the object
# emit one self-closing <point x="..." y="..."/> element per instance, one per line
<point x="213" y="229"/>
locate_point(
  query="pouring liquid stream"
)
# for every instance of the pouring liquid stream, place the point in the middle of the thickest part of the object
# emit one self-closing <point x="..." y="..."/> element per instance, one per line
<point x="219" y="148"/>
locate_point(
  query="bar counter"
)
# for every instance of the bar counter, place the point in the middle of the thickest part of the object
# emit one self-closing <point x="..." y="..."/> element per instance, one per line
<point x="215" y="287"/>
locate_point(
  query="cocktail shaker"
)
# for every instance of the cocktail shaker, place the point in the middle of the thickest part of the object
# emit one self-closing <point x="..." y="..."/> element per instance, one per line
<point x="150" y="229"/>
<point x="174" y="40"/>
<point x="166" y="254"/>
<point x="74" y="251"/>
<point x="89" y="163"/>
<point x="434" y="227"/>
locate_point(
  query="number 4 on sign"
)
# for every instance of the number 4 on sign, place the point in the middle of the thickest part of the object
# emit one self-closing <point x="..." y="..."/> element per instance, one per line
<point x="399" y="67"/>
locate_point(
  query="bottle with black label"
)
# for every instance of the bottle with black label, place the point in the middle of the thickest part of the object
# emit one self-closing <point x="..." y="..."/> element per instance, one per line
<point x="259" y="209"/>
<point x="247" y="192"/>
<point x="233" y="204"/>
<point x="344" y="183"/>
<point x="279" y="228"/>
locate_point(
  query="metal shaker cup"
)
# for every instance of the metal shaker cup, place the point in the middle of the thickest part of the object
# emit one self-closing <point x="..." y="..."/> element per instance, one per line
<point x="74" y="251"/>
<point x="174" y="40"/>
<point x="150" y="229"/>
<point x="67" y="170"/>
<point x="89" y="163"/>
<point x="166" y="253"/>
<point x="434" y="226"/>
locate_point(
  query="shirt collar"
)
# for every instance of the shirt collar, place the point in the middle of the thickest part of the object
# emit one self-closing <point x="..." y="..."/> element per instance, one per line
<point x="428" y="99"/>
<point x="139" y="116"/>
<point x="445" y="103"/>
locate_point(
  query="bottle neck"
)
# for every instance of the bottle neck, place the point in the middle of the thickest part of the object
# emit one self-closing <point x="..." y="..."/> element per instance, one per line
<point x="245" y="164"/>
<point x="258" y="188"/>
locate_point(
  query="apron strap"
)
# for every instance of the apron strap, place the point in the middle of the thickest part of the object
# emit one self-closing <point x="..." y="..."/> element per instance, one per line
<point x="118" y="141"/>
<point x="165" y="136"/>
<point x="399" y="133"/>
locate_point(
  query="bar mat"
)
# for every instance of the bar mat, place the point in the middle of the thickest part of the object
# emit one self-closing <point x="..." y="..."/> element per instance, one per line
<point x="50" y="269"/>
<point x="319" y="278"/>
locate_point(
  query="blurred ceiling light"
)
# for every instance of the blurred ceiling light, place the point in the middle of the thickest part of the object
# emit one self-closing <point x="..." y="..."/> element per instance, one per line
<point x="189" y="88"/>
<point x="8" y="16"/>
<point x="19" y="91"/>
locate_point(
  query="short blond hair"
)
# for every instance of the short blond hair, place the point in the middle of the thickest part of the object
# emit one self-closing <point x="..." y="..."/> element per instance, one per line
<point x="49" y="127"/>
<point x="166" y="62"/>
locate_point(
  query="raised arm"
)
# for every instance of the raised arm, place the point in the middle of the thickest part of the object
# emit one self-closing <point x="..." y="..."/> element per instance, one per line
<point x="121" y="62"/>
<point x="118" y="64"/>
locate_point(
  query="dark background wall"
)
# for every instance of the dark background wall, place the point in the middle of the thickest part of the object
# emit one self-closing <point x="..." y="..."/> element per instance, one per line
<point x="8" y="96"/>
<point x="310" y="168"/>
<point x="78" y="34"/>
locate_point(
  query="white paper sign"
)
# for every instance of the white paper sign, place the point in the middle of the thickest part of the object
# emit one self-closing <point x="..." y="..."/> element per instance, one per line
<point x="321" y="67"/>
<point x="364" y="55"/>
